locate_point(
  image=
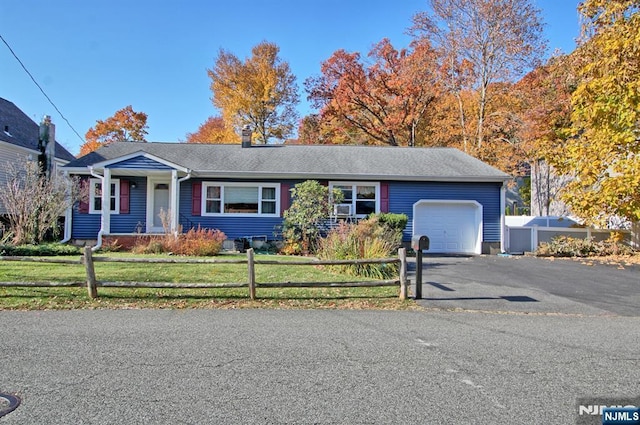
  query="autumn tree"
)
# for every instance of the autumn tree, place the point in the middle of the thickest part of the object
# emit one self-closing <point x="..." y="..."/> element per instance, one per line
<point x="480" y="42"/>
<point x="260" y="92"/>
<point x="309" y="131"/>
<point x="545" y="113"/>
<point x="603" y="153"/>
<point x="317" y="129"/>
<point x="213" y="130"/>
<point x="384" y="101"/>
<point x="125" y="125"/>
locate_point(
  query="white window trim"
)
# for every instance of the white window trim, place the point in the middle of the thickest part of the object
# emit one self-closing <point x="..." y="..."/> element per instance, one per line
<point x="222" y="185"/>
<point x="353" y="185"/>
<point x="92" y="197"/>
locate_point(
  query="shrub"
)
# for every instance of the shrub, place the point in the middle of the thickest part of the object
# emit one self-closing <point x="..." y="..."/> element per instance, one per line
<point x="367" y="239"/>
<point x="198" y="242"/>
<point x="394" y="221"/>
<point x="45" y="249"/>
<point x="302" y="222"/>
<point x="150" y="246"/>
<point x="566" y="246"/>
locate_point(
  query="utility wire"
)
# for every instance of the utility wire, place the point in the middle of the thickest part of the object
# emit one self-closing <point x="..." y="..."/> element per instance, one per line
<point x="38" y="85"/>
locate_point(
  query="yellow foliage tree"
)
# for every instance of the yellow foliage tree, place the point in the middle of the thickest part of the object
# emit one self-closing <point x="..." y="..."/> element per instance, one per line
<point x="260" y="92"/>
<point x="603" y="154"/>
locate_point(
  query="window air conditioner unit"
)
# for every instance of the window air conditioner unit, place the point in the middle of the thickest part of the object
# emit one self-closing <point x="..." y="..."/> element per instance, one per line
<point x="342" y="210"/>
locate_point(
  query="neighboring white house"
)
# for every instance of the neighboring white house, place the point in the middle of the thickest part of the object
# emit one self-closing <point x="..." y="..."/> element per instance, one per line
<point x="19" y="136"/>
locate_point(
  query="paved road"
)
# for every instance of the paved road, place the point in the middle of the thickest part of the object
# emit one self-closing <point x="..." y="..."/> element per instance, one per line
<point x="300" y="367"/>
<point x="530" y="284"/>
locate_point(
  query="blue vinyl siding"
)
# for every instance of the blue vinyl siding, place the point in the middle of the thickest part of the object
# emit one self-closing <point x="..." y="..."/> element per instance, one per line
<point x="140" y="162"/>
<point x="126" y="223"/>
<point x="87" y="226"/>
<point x="403" y="195"/>
<point x="233" y="227"/>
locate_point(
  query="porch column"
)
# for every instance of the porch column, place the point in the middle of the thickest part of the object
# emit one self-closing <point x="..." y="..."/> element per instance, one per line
<point x="106" y="202"/>
<point x="173" y="201"/>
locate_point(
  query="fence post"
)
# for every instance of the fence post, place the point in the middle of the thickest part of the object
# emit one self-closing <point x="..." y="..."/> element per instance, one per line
<point x="91" y="273"/>
<point x="252" y="274"/>
<point x="402" y="254"/>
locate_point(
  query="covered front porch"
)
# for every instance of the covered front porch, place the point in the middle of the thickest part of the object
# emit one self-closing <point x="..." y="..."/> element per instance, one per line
<point x="131" y="196"/>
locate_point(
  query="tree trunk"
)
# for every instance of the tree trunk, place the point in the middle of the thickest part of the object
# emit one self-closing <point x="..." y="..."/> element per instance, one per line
<point x="463" y="122"/>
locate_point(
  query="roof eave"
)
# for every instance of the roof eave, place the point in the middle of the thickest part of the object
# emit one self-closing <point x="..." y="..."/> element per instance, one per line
<point x="324" y="176"/>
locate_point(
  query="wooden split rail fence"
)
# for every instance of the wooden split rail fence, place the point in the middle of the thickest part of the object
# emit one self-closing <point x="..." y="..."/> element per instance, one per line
<point x="92" y="282"/>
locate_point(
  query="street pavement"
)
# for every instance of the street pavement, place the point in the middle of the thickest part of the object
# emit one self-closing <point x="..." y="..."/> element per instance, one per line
<point x="312" y="367"/>
<point x="500" y="340"/>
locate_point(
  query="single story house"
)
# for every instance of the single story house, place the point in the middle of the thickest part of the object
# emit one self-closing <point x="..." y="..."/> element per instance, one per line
<point x="243" y="190"/>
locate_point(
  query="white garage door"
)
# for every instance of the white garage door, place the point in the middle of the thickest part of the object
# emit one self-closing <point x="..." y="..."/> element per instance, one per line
<point x="453" y="227"/>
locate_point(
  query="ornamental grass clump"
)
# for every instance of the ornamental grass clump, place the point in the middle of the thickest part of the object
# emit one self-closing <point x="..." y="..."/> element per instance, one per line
<point x="368" y="239"/>
<point x="198" y="242"/>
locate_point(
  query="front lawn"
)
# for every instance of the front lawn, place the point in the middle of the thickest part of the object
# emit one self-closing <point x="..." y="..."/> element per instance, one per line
<point x="76" y="297"/>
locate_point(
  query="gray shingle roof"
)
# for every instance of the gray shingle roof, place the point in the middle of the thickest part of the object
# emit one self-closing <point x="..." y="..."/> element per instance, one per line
<point x="308" y="161"/>
<point x="23" y="131"/>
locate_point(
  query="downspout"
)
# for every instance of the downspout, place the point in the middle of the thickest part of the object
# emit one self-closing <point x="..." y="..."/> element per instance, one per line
<point x="68" y="215"/>
<point x="101" y="231"/>
<point x="503" y="200"/>
<point x="177" y="219"/>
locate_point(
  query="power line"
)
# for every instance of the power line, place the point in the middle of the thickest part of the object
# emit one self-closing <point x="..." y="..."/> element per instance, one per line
<point x="38" y="85"/>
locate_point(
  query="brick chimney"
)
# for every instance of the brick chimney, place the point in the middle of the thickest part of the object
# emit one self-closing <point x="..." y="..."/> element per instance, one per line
<point x="47" y="146"/>
<point x="246" y="136"/>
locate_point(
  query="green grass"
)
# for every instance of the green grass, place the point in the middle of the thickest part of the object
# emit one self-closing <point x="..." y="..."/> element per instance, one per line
<point x="76" y="297"/>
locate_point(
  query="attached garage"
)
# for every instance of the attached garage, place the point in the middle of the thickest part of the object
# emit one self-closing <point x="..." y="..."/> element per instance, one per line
<point x="452" y="226"/>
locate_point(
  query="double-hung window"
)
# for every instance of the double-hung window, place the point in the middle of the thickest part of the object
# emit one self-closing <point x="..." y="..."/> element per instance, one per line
<point x="360" y="198"/>
<point x="95" y="196"/>
<point x="241" y="199"/>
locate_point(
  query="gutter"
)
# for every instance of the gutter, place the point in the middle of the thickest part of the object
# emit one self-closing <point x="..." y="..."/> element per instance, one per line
<point x="185" y="178"/>
<point x="503" y="225"/>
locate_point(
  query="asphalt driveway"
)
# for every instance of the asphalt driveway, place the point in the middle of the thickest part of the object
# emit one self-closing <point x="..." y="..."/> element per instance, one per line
<point x="529" y="285"/>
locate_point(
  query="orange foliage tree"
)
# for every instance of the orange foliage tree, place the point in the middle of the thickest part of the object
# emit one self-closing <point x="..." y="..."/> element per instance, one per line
<point x="545" y="114"/>
<point x="382" y="103"/>
<point x="480" y="43"/>
<point x="125" y="125"/>
<point x="213" y="130"/>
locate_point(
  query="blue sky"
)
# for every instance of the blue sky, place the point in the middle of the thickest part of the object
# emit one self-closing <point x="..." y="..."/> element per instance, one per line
<point x="93" y="57"/>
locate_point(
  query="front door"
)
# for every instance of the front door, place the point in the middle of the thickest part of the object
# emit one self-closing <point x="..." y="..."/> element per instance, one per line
<point x="158" y="209"/>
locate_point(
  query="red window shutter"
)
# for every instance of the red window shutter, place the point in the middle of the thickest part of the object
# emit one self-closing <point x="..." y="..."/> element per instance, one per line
<point x="196" y="199"/>
<point x="285" y="197"/>
<point x="384" y="197"/>
<point x="124" y="196"/>
<point x="83" y="206"/>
